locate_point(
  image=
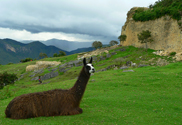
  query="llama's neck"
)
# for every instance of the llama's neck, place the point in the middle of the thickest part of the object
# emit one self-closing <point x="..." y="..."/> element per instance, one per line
<point x="79" y="87"/>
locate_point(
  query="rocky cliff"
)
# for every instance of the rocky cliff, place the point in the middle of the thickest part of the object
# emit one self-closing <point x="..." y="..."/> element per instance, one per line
<point x="166" y="33"/>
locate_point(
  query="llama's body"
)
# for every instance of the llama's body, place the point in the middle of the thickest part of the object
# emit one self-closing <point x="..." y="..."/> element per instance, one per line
<point x="50" y="103"/>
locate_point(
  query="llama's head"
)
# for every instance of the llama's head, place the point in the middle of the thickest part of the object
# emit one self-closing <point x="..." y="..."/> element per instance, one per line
<point x="89" y="68"/>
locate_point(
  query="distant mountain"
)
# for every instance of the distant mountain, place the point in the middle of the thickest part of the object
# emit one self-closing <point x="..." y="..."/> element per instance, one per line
<point x="79" y="50"/>
<point x="67" y="45"/>
<point x="13" y="51"/>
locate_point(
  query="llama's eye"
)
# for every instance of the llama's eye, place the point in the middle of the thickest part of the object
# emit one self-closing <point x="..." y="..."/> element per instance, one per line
<point x="88" y="68"/>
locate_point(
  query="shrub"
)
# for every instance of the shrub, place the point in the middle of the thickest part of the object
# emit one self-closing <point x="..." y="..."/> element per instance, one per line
<point x="43" y="55"/>
<point x="161" y="8"/>
<point x="9" y="63"/>
<point x="145" y="37"/>
<point x="179" y="23"/>
<point x="26" y="60"/>
<point x="61" y="53"/>
<point x="139" y="10"/>
<point x="55" y="55"/>
<point x="6" y="79"/>
<point x="97" y="44"/>
<point x="122" y="37"/>
<point x="113" y="42"/>
<point x="172" y="53"/>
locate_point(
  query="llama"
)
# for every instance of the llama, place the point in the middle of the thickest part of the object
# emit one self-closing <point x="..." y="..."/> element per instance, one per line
<point x="53" y="102"/>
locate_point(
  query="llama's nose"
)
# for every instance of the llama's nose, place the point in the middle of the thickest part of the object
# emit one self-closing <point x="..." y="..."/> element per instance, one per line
<point x="93" y="70"/>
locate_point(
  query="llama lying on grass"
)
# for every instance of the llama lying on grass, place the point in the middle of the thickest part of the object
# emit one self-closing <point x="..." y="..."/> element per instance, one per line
<point x="53" y="102"/>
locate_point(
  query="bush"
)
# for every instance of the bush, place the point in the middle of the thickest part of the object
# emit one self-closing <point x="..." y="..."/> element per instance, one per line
<point x="145" y="37"/>
<point x="122" y="37"/>
<point x="6" y="79"/>
<point x="9" y="63"/>
<point x="113" y="42"/>
<point x="172" y="53"/>
<point x="61" y="53"/>
<point x="97" y="44"/>
<point x="26" y="60"/>
<point x="161" y="8"/>
<point x="139" y="10"/>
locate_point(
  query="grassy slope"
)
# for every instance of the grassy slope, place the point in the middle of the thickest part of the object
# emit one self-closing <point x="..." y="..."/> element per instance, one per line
<point x="150" y="95"/>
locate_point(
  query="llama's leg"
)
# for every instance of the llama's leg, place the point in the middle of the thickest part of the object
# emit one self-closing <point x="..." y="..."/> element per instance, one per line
<point x="79" y="110"/>
<point x="19" y="114"/>
<point x="72" y="112"/>
<point x="76" y="111"/>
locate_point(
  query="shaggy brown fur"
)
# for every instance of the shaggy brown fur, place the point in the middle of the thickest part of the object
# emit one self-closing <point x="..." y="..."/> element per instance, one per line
<point x="50" y="103"/>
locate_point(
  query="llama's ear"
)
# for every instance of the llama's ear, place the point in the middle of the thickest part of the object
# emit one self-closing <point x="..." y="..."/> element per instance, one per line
<point x="90" y="60"/>
<point x="84" y="62"/>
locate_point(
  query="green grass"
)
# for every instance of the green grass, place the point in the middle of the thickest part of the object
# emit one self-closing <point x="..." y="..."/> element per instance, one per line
<point x="150" y="95"/>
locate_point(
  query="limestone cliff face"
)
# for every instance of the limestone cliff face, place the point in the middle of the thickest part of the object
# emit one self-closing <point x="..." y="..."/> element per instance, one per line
<point x="165" y="31"/>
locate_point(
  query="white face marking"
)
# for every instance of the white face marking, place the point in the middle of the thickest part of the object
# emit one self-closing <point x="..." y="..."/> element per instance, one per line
<point x="92" y="69"/>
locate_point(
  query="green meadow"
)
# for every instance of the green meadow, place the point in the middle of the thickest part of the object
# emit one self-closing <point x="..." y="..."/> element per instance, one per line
<point x="150" y="95"/>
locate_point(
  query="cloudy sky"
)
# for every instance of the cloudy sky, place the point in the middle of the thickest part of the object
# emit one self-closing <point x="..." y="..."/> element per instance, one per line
<point x="72" y="20"/>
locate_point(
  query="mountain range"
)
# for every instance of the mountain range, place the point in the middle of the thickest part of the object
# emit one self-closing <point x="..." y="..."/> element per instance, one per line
<point x="67" y="45"/>
<point x="12" y="51"/>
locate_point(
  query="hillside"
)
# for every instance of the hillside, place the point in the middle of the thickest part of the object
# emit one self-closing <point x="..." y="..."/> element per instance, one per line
<point x="162" y="19"/>
<point x="116" y="55"/>
<point x="12" y="51"/>
<point x="115" y="94"/>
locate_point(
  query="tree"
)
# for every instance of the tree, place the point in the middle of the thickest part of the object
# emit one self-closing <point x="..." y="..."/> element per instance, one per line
<point x="45" y="55"/>
<point x="113" y="42"/>
<point x="55" y="55"/>
<point x="97" y="44"/>
<point x="41" y="55"/>
<point x="62" y="53"/>
<point x="145" y="37"/>
<point x="6" y="79"/>
<point x="122" y="38"/>
<point x="26" y="60"/>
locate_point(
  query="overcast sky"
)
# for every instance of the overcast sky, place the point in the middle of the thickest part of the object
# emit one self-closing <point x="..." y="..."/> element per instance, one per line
<point x="72" y="20"/>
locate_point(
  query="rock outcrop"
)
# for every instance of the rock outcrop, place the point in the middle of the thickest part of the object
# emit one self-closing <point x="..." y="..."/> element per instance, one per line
<point x="42" y="65"/>
<point x="96" y="52"/>
<point x="165" y="31"/>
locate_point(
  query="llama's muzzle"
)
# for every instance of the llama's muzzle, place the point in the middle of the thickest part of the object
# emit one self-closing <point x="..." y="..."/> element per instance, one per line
<point x="92" y="70"/>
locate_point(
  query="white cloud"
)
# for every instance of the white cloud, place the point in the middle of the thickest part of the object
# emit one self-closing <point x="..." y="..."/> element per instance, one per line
<point x="43" y="36"/>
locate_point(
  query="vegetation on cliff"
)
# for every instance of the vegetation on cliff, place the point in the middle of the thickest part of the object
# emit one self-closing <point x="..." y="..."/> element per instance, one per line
<point x="145" y="37"/>
<point x="160" y="8"/>
<point x="122" y="37"/>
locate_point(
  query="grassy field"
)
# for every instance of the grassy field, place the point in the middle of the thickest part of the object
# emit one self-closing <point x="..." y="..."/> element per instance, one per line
<point x="149" y="95"/>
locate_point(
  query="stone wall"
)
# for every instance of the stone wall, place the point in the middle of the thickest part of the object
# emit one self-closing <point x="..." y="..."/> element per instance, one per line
<point x="165" y="31"/>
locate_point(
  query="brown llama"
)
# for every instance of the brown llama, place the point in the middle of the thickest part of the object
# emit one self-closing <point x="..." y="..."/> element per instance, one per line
<point x="53" y="102"/>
